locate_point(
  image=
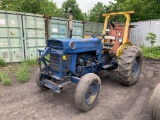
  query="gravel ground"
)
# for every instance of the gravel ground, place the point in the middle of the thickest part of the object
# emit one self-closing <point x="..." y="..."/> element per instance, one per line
<point x="116" y="101"/>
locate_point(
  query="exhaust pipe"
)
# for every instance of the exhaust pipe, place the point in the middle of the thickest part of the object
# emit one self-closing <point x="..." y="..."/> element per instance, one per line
<point x="70" y="13"/>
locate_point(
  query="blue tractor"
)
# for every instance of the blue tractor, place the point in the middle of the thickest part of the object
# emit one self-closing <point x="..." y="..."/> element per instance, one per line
<point x="79" y="60"/>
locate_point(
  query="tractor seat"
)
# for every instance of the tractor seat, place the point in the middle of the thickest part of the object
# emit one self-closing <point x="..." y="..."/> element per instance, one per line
<point x="108" y="44"/>
<point x="110" y="37"/>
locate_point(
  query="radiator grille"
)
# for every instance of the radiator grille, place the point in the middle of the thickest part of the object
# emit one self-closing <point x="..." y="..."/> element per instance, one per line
<point x="55" y="63"/>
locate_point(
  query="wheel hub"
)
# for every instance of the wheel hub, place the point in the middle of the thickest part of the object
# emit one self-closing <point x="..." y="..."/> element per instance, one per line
<point x="91" y="93"/>
<point x="135" y="68"/>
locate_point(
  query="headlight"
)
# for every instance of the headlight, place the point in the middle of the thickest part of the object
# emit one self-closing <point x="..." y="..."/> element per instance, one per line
<point x="72" y="45"/>
<point x="120" y="39"/>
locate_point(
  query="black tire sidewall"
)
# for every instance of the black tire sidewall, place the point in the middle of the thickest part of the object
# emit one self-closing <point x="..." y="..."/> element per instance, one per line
<point x="128" y="56"/>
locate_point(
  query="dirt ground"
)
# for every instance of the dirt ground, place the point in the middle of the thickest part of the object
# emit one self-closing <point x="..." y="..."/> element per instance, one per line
<point x="116" y="101"/>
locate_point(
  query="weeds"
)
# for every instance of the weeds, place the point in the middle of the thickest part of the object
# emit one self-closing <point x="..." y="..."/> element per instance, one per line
<point x="31" y="62"/>
<point x="23" y="72"/>
<point x="2" y="63"/>
<point x="5" y="79"/>
<point x="151" y="52"/>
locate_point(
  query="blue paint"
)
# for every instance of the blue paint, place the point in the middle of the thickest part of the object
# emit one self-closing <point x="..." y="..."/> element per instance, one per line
<point x="73" y="65"/>
<point x="90" y="44"/>
<point x="85" y="58"/>
<point x="75" y="79"/>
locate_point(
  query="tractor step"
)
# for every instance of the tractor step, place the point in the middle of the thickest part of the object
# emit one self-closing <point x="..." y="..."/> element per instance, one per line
<point x="107" y="66"/>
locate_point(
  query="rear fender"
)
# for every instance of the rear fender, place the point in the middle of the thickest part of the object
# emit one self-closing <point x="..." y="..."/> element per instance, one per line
<point x="122" y="47"/>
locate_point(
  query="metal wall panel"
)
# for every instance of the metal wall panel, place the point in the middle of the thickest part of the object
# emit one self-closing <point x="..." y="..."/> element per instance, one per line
<point x="34" y="35"/>
<point x="58" y="28"/>
<point x="92" y="28"/>
<point x="139" y="33"/>
<point x="77" y="29"/>
<point x="11" y="40"/>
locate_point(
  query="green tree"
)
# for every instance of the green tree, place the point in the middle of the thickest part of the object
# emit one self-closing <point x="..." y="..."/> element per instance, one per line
<point x="95" y="14"/>
<point x="32" y="6"/>
<point x="77" y="13"/>
<point x="49" y="8"/>
<point x="144" y="9"/>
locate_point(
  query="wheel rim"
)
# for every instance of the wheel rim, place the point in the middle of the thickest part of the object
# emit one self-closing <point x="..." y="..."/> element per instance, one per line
<point x="136" y="67"/>
<point x="92" y="93"/>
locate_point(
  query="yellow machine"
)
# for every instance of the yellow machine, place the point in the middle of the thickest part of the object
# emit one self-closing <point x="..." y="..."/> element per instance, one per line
<point x="116" y="45"/>
<point x="126" y="41"/>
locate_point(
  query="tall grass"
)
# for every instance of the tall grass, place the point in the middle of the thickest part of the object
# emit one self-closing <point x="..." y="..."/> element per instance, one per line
<point x="2" y="63"/>
<point x="23" y="72"/>
<point x="6" y="81"/>
<point x="31" y="62"/>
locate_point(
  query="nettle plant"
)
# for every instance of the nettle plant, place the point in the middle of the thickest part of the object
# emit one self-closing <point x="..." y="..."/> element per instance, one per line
<point x="151" y="37"/>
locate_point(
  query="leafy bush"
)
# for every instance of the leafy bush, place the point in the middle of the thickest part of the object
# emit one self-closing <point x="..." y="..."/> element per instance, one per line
<point x="151" y="38"/>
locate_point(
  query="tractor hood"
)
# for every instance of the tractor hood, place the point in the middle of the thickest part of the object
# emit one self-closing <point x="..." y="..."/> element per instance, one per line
<point x="76" y="45"/>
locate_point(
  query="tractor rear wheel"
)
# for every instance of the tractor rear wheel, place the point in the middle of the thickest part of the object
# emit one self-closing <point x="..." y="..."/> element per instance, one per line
<point x="155" y="103"/>
<point x="38" y="79"/>
<point x="87" y="91"/>
<point x="130" y="65"/>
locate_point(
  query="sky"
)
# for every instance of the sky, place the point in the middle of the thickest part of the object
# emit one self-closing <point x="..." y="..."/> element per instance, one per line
<point x="84" y="5"/>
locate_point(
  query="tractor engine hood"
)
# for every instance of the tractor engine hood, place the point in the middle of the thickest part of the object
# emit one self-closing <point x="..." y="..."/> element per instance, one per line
<point x="75" y="45"/>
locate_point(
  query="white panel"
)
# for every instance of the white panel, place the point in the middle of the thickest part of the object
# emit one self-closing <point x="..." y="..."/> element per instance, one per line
<point x="139" y="33"/>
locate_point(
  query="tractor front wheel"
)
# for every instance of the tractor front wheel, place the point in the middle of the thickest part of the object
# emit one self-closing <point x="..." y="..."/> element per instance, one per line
<point x="130" y="65"/>
<point x="87" y="91"/>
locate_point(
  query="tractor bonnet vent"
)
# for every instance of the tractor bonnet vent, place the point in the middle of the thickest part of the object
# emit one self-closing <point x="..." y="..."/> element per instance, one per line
<point x="55" y="44"/>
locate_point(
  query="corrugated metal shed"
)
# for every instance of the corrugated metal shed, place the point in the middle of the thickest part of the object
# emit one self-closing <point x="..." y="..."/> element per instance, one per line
<point x="139" y="33"/>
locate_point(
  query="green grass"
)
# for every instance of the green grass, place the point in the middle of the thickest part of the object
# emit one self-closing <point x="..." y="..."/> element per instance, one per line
<point x="6" y="81"/>
<point x="151" y="52"/>
<point x="2" y="63"/>
<point x="31" y="62"/>
<point x="48" y="57"/>
<point x="23" y="72"/>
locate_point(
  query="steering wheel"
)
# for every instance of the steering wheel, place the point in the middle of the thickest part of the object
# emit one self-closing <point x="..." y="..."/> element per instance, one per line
<point x="97" y="35"/>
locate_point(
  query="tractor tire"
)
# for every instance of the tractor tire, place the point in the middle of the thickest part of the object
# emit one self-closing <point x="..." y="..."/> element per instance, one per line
<point x="155" y="103"/>
<point x="130" y="65"/>
<point x="87" y="91"/>
<point x="38" y="79"/>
